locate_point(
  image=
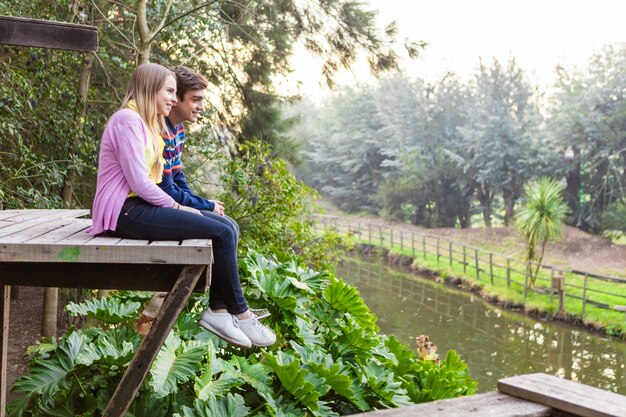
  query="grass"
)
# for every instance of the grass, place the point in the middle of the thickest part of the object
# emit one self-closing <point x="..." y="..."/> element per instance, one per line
<point x="494" y="283"/>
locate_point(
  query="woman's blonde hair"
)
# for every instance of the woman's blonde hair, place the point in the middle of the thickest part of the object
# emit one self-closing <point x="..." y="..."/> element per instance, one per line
<point x="144" y="84"/>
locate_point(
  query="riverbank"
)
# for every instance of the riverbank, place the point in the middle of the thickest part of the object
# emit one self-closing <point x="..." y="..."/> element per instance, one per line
<point x="443" y="275"/>
<point x="593" y="302"/>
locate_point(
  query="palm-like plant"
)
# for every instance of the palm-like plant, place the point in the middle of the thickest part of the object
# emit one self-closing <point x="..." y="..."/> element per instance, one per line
<point x="540" y="219"/>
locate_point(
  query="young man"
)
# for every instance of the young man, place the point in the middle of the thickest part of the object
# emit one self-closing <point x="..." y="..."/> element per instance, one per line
<point x="191" y="92"/>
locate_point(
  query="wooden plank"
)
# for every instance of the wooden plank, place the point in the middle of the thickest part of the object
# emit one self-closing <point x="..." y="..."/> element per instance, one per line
<point x="78" y="238"/>
<point x="491" y="404"/>
<point x="67" y="230"/>
<point x="5" y="304"/>
<point x="568" y="396"/>
<point x="48" y="34"/>
<point x="165" y="243"/>
<point x="104" y="252"/>
<point x="99" y="276"/>
<point x="37" y="229"/>
<point x="40" y="215"/>
<point x="151" y="344"/>
<point x="7" y="214"/>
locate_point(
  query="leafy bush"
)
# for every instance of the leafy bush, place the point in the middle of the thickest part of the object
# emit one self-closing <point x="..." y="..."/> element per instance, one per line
<point x="273" y="209"/>
<point x="329" y="358"/>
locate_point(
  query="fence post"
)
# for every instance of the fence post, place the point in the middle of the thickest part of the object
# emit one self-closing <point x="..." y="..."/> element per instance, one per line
<point x="380" y="232"/>
<point x="508" y="273"/>
<point x="526" y="282"/>
<point x="464" y="259"/>
<point x="401" y="241"/>
<point x="413" y="243"/>
<point x="437" y="250"/>
<point x="476" y="262"/>
<point x="552" y="286"/>
<point x="491" y="267"/>
<point x="450" y="251"/>
<point x="369" y="233"/>
<point x="424" y="245"/>
<point x="390" y="238"/>
<point x="585" y="295"/>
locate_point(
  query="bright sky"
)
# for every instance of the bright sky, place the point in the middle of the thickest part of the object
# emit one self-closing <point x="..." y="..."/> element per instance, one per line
<point x="539" y="33"/>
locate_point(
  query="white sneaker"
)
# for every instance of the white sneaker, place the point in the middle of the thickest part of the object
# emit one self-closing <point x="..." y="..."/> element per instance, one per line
<point x="258" y="334"/>
<point x="226" y="326"/>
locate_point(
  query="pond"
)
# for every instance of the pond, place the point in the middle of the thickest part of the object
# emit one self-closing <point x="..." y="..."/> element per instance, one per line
<point x="495" y="343"/>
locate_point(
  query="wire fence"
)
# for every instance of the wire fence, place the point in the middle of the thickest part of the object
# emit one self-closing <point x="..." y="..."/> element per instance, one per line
<point x="576" y="291"/>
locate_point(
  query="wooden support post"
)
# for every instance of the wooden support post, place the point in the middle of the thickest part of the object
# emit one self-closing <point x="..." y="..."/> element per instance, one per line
<point x="585" y="294"/>
<point x="464" y="259"/>
<point x="401" y="241"/>
<point x="508" y="273"/>
<point x="476" y="264"/>
<point x="380" y="233"/>
<point x="390" y="238"/>
<point x="424" y="246"/>
<point x="491" y="267"/>
<point x="369" y="232"/>
<point x="437" y="250"/>
<point x="151" y="344"/>
<point x="413" y="243"/>
<point x="450" y="251"/>
<point x="5" y="306"/>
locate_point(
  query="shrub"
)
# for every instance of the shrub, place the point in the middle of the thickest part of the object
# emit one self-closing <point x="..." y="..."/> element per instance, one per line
<point x="329" y="358"/>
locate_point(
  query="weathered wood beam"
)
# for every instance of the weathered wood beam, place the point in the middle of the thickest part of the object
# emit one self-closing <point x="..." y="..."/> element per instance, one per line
<point x="48" y="34"/>
<point x="100" y="276"/>
<point x="491" y="404"/>
<point x="561" y="394"/>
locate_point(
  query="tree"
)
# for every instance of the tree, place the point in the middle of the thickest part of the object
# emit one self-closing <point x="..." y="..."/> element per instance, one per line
<point x="540" y="220"/>
<point x="587" y="124"/>
<point x="501" y="123"/>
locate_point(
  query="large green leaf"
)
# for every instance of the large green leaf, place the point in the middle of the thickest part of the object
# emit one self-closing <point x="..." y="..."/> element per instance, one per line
<point x="306" y="386"/>
<point x="107" y="310"/>
<point x="381" y="381"/>
<point x="227" y="406"/>
<point x="176" y="363"/>
<point x="346" y="299"/>
<point x="254" y="374"/>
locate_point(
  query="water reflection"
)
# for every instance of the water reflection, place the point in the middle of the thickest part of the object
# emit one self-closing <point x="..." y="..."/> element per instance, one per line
<point x="495" y="343"/>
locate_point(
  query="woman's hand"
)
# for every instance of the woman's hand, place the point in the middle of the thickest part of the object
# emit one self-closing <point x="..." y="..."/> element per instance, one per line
<point x="218" y="208"/>
<point x="189" y="209"/>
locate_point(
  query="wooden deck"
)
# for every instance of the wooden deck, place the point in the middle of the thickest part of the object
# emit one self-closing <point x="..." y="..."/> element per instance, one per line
<point x="51" y="248"/>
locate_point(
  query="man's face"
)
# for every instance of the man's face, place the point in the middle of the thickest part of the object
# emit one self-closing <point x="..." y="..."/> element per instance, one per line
<point x="188" y="109"/>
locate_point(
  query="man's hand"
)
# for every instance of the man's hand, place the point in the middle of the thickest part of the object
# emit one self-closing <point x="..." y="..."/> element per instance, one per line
<point x="218" y="208"/>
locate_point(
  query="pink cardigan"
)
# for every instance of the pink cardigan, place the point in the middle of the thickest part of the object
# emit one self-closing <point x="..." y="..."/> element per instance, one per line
<point x="122" y="168"/>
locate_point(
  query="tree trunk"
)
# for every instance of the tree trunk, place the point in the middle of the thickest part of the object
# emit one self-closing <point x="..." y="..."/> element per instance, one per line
<point x="509" y="207"/>
<point x="573" y="178"/>
<point x="49" y="318"/>
<point x="67" y="192"/>
<point x="485" y="201"/>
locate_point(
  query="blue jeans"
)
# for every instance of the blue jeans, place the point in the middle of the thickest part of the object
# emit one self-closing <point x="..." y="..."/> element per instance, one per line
<point x="141" y="220"/>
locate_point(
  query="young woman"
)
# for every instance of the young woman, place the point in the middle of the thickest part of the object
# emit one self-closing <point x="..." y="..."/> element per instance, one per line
<point x="130" y="205"/>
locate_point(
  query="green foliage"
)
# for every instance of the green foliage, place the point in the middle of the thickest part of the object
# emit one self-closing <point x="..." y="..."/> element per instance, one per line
<point x="540" y="220"/>
<point x="329" y="359"/>
<point x="107" y="310"/>
<point x="274" y="209"/>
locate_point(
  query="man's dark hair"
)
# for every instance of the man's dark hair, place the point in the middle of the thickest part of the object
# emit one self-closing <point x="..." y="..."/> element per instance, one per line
<point x="187" y="80"/>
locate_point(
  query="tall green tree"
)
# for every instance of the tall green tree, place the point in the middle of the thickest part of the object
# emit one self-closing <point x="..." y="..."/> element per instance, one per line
<point x="498" y="135"/>
<point x="587" y="125"/>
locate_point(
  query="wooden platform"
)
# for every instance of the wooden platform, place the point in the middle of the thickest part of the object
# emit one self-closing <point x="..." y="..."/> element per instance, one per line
<point x="51" y="248"/>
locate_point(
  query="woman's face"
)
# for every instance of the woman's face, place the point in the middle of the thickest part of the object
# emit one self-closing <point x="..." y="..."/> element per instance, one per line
<point x="166" y="96"/>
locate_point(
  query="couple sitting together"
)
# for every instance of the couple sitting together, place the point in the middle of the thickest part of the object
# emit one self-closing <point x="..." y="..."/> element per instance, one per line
<point x="142" y="193"/>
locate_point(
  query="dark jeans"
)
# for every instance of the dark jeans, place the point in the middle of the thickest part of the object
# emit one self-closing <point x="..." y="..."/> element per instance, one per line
<point x="141" y="220"/>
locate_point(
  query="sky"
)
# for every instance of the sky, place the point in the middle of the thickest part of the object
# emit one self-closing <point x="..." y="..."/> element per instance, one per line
<point x="540" y="34"/>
